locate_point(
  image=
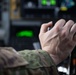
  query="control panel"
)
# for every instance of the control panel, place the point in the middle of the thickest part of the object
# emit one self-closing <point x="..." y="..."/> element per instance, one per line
<point x="0" y="12"/>
<point x="21" y="20"/>
<point x="32" y="9"/>
<point x="15" y="9"/>
<point x="24" y="37"/>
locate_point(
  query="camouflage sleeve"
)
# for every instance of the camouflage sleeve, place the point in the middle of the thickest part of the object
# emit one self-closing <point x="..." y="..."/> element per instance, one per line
<point x="26" y="62"/>
<point x="40" y="62"/>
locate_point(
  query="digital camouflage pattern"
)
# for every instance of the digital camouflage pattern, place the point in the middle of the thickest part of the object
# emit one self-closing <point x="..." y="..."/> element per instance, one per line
<point x="26" y="62"/>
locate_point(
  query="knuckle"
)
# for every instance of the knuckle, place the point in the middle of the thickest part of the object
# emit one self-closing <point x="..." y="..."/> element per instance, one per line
<point x="68" y="39"/>
<point x="43" y="24"/>
<point x="57" y="29"/>
<point x="64" y="34"/>
<point x="71" y="21"/>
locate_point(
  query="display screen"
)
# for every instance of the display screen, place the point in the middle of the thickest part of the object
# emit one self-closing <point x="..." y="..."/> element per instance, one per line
<point x="38" y="3"/>
<point x="25" y="33"/>
<point x="63" y="4"/>
<point x="42" y="9"/>
<point x="47" y="7"/>
<point x="67" y="9"/>
<point x="67" y="4"/>
<point x="48" y="2"/>
<point x="22" y="31"/>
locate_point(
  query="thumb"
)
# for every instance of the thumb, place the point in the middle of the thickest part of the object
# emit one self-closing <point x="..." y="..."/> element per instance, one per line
<point x="45" y="26"/>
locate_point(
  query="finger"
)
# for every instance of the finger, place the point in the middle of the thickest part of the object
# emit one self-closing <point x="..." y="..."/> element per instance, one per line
<point x="68" y="26"/>
<point x="74" y="38"/>
<point x="73" y="31"/>
<point x="59" y="24"/>
<point x="45" y="26"/>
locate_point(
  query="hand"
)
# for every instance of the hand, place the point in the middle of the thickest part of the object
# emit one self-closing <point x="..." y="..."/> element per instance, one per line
<point x="60" y="40"/>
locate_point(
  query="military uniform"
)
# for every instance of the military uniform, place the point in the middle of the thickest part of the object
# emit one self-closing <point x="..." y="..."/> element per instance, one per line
<point x="26" y="62"/>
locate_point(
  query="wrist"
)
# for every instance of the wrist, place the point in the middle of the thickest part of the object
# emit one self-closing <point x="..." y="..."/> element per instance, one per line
<point x="56" y="59"/>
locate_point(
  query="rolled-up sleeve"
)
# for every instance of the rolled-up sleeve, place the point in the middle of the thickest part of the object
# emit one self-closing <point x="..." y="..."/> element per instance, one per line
<point x="27" y="62"/>
<point x="39" y="61"/>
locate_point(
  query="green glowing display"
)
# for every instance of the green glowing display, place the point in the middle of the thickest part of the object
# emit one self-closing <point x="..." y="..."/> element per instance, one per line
<point x="53" y="2"/>
<point x="44" y="2"/>
<point x="25" y="33"/>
